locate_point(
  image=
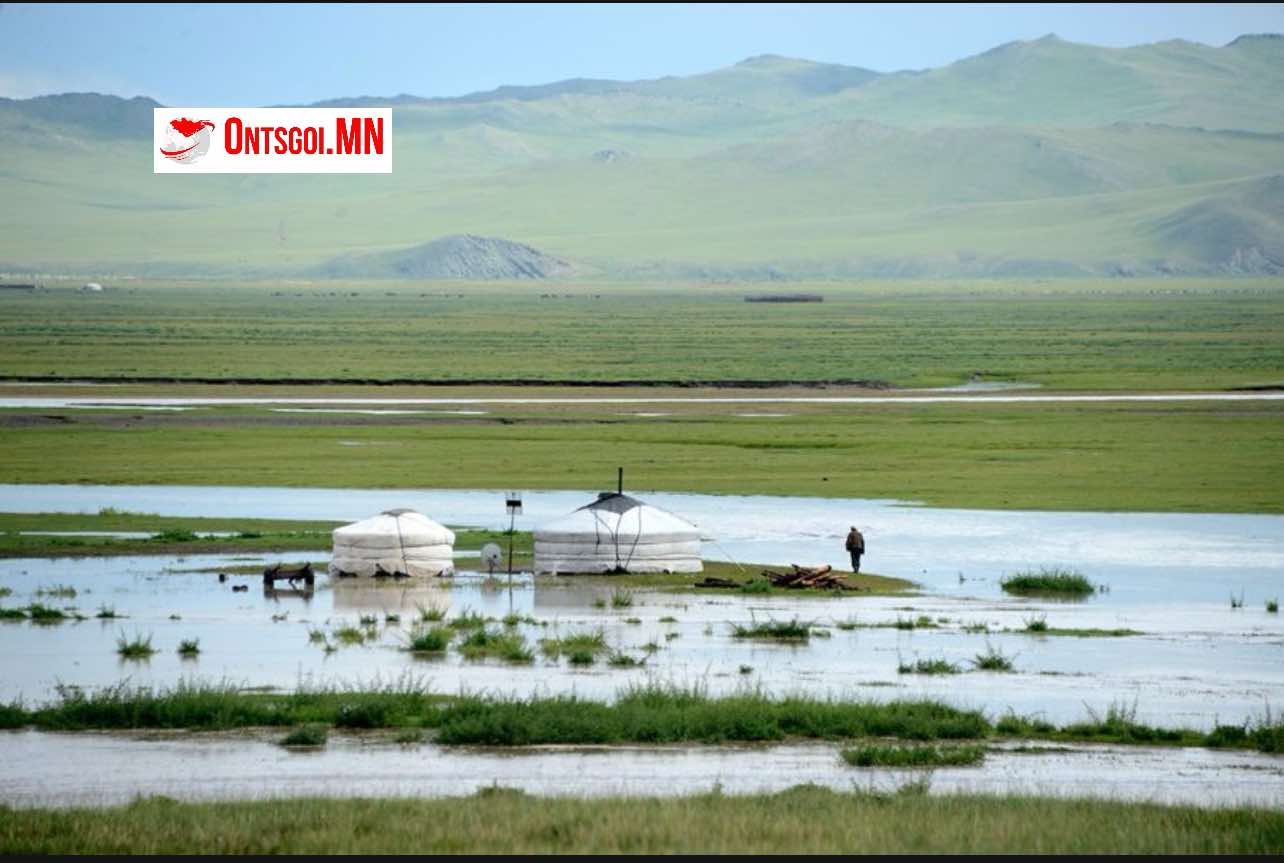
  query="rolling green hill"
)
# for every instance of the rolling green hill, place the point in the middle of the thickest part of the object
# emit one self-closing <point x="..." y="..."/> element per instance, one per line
<point x="1035" y="158"/>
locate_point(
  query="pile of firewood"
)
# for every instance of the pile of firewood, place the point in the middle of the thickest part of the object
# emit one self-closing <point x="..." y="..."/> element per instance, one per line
<point x="800" y="578"/>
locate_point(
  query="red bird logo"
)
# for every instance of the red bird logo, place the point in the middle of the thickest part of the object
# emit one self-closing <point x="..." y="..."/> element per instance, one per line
<point x="186" y="140"/>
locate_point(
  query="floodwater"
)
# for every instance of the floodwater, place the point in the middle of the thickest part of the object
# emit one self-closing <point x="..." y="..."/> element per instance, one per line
<point x="1197" y="663"/>
<point x="1171" y="559"/>
<point x="50" y="770"/>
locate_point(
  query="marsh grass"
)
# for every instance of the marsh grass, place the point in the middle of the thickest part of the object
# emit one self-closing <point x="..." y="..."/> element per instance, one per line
<point x="46" y="614"/>
<point x="503" y="821"/>
<point x="431" y="613"/>
<point x="633" y="621"/>
<point x="1036" y="624"/>
<point x="1049" y="581"/>
<point x="468" y="619"/>
<point x="487" y="643"/>
<point x="57" y="591"/>
<point x="107" y="612"/>
<point x="1272" y="606"/>
<point x="431" y="639"/>
<point x="1237" y="602"/>
<point x="756" y="586"/>
<point x="592" y="643"/>
<point x="620" y="659"/>
<point x="351" y="635"/>
<point x="875" y="755"/>
<point x="136" y="647"/>
<point x="367" y="621"/>
<point x="847" y="625"/>
<point x="622" y="599"/>
<point x="668" y="618"/>
<point x="311" y="735"/>
<point x="646" y="713"/>
<point x="580" y="657"/>
<point x="189" y="648"/>
<point x="316" y="636"/>
<point x="992" y="660"/>
<point x="928" y="666"/>
<point x="13" y="614"/>
<point x="778" y="630"/>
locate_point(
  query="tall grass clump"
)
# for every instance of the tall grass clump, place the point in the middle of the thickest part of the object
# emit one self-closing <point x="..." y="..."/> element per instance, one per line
<point x="992" y="660"/>
<point x="582" y="643"/>
<point x="1237" y="602"/>
<point x="488" y="643"/>
<point x="432" y="639"/>
<point x="1272" y="606"/>
<point x="46" y="613"/>
<point x="137" y="647"/>
<point x="780" y="630"/>
<point x="189" y="648"/>
<point x="875" y="755"/>
<point x="13" y="614"/>
<point x="432" y="613"/>
<point x="622" y="599"/>
<point x="1036" y="624"/>
<point x="928" y="666"/>
<point x="1050" y="581"/>
<point x="468" y="619"/>
<point x="106" y="612"/>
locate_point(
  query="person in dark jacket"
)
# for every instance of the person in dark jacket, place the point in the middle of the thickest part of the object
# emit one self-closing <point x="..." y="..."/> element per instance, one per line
<point x="855" y="547"/>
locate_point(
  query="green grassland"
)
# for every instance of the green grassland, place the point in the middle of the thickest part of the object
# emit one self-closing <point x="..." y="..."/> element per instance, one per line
<point x="1201" y="457"/>
<point x="1072" y="334"/>
<point x="501" y="821"/>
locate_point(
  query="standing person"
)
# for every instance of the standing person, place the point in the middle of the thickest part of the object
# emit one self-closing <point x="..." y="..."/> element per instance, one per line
<point x="855" y="547"/>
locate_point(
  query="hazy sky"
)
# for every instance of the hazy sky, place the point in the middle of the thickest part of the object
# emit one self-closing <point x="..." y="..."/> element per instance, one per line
<point x="194" y="54"/>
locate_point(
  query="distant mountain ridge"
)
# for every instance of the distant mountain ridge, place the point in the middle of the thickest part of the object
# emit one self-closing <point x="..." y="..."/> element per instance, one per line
<point x="1038" y="157"/>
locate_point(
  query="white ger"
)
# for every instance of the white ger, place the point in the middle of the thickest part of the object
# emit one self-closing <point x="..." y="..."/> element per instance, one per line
<point x="617" y="533"/>
<point x="399" y="540"/>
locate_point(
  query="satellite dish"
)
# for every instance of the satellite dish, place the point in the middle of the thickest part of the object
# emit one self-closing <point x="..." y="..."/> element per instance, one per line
<point x="491" y="555"/>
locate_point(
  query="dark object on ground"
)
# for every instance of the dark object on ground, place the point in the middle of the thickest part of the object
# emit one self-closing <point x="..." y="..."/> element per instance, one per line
<point x="222" y="577"/>
<point x="801" y="578"/>
<point x="784" y="298"/>
<point x="380" y="572"/>
<point x="240" y="588"/>
<point x="292" y="574"/>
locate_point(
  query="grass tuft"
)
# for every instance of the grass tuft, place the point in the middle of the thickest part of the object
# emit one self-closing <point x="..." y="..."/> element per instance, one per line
<point x="779" y="630"/>
<point x="928" y="666"/>
<point x="432" y="639"/>
<point x="913" y="756"/>
<point x="1050" y="581"/>
<point x="138" y="647"/>
<point x="992" y="660"/>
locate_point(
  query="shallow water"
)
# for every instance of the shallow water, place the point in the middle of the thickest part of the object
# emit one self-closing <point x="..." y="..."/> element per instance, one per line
<point x="104" y="770"/>
<point x="1197" y="665"/>
<point x="1169" y="558"/>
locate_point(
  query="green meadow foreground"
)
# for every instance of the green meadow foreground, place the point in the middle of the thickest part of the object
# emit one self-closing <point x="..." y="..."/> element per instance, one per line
<point x="498" y="821"/>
